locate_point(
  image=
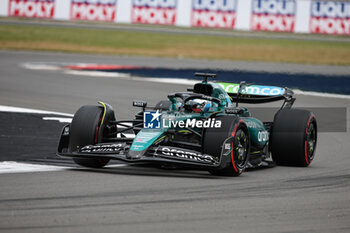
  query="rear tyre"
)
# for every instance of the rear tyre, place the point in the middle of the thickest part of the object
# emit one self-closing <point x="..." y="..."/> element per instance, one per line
<point x="84" y="131"/>
<point x="214" y="140"/>
<point x="293" y="137"/>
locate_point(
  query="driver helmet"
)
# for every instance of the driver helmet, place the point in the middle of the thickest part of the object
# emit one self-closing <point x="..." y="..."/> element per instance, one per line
<point x="199" y="105"/>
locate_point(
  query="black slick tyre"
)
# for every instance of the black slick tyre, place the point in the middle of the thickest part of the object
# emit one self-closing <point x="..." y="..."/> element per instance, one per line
<point x="84" y="131"/>
<point x="293" y="137"/>
<point x="236" y="131"/>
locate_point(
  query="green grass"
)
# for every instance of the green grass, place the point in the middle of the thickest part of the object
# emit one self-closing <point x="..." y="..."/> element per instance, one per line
<point x="172" y="45"/>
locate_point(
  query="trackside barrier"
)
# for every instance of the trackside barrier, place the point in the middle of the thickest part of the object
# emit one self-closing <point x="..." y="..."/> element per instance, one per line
<point x="295" y="16"/>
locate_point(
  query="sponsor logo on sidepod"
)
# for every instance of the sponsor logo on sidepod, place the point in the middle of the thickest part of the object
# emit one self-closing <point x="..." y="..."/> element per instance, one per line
<point x="263" y="136"/>
<point x="174" y="152"/>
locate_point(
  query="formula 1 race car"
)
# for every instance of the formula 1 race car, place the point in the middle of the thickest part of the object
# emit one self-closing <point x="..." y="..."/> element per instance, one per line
<point x="203" y="128"/>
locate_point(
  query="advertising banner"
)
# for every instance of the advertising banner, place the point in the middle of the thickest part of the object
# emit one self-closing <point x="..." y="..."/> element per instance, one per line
<point x="214" y="13"/>
<point x="93" y="10"/>
<point x="32" y="8"/>
<point x="330" y="17"/>
<point x="297" y="16"/>
<point x="273" y="15"/>
<point x="154" y="11"/>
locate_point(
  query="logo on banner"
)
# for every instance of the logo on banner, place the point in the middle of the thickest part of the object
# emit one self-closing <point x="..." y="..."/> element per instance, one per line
<point x="330" y="17"/>
<point x="273" y="15"/>
<point x="32" y="8"/>
<point x="154" y="11"/>
<point x="214" y="13"/>
<point x="93" y="10"/>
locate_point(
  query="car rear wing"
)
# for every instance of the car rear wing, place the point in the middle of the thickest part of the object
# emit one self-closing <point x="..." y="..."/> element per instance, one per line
<point x="255" y="94"/>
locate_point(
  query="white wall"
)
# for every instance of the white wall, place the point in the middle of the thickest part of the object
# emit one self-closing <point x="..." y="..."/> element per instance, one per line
<point x="4" y="7"/>
<point x="62" y="9"/>
<point x="183" y="17"/>
<point x="302" y="16"/>
<point x="243" y="14"/>
<point x="123" y="11"/>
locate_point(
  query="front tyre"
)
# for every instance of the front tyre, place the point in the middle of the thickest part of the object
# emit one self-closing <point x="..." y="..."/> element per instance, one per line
<point x="84" y="131"/>
<point x="233" y="133"/>
<point x="293" y="137"/>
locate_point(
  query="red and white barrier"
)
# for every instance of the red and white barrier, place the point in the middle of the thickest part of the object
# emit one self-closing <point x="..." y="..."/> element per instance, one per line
<point x="295" y="16"/>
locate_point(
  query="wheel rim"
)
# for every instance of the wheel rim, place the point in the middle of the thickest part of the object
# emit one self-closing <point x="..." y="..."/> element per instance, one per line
<point x="311" y="141"/>
<point x="241" y="148"/>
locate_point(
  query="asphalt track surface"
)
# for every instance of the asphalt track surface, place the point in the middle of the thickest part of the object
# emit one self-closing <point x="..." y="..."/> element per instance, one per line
<point x="135" y="199"/>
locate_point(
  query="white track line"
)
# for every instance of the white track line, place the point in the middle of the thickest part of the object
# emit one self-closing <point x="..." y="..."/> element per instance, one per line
<point x="4" y="108"/>
<point x="9" y="167"/>
<point x="98" y="74"/>
<point x="41" y="66"/>
<point x="133" y="78"/>
<point x="15" y="167"/>
<point x="128" y="77"/>
<point x="117" y="165"/>
<point x="60" y="119"/>
<point x="320" y="94"/>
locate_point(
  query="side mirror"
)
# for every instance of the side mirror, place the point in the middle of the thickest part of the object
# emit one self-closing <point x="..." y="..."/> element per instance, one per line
<point x="242" y="87"/>
<point x="241" y="90"/>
